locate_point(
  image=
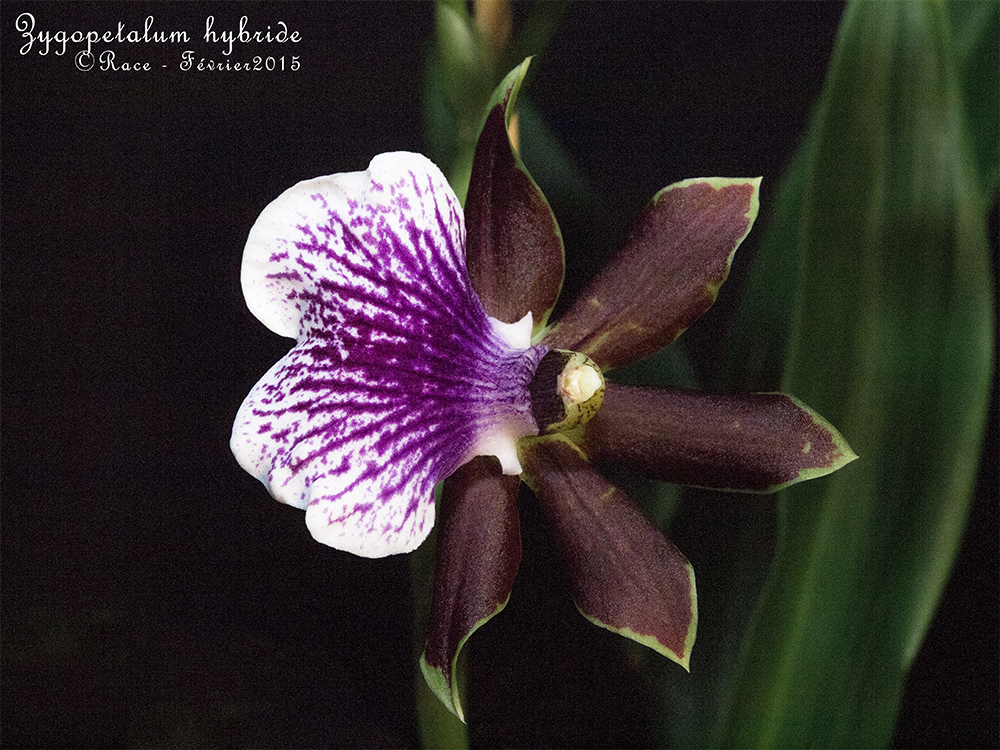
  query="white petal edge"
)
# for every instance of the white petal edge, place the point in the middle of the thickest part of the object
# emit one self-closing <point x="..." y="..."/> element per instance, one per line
<point x="271" y="301"/>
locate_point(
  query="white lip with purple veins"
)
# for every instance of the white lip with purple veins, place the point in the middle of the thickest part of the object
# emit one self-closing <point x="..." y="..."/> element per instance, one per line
<point x="398" y="376"/>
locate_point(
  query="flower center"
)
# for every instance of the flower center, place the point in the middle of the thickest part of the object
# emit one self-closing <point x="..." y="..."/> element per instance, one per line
<point x="566" y="391"/>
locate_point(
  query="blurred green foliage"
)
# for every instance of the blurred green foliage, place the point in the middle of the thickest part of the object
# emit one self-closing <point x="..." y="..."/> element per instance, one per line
<point x="470" y="56"/>
<point x="874" y="279"/>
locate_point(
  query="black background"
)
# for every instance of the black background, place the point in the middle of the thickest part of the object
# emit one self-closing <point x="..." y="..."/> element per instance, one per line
<point x="152" y="593"/>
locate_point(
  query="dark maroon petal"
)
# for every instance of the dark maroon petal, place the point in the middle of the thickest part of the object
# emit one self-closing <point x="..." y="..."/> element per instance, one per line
<point x="626" y="576"/>
<point x="514" y="249"/>
<point x="756" y="442"/>
<point x="667" y="274"/>
<point x="478" y="551"/>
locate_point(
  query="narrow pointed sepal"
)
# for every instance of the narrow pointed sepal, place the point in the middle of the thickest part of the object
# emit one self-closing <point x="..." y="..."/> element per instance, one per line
<point x="626" y="576"/>
<point x="515" y="248"/>
<point x="665" y="276"/>
<point x="758" y="442"/>
<point x="478" y="552"/>
<point x="398" y="376"/>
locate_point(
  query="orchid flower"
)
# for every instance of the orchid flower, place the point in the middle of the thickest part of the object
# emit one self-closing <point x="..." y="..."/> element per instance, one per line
<point x="424" y="352"/>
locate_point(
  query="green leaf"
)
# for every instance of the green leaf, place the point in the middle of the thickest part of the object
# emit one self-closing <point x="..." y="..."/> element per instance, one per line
<point x="458" y="83"/>
<point x="892" y="340"/>
<point x="976" y="30"/>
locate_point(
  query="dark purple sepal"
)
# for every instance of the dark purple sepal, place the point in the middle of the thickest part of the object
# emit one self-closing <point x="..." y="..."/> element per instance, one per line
<point x="514" y="249"/>
<point x="757" y="442"/>
<point x="667" y="274"/>
<point x="478" y="551"/>
<point x="626" y="576"/>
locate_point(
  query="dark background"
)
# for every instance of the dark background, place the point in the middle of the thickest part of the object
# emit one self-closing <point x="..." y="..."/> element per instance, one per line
<point x="152" y="593"/>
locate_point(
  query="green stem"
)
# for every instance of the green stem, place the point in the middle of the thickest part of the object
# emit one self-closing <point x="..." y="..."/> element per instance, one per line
<point x="439" y="727"/>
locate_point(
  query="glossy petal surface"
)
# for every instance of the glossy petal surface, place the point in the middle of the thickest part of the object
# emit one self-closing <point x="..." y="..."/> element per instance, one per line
<point x="756" y="442"/>
<point x="667" y="274"/>
<point x="626" y="576"/>
<point x="478" y="553"/>
<point x="515" y="247"/>
<point x="398" y="376"/>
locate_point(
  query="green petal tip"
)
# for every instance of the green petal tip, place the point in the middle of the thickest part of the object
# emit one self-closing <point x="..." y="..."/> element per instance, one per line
<point x="441" y="686"/>
<point x="684" y="659"/>
<point x="839" y="456"/>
